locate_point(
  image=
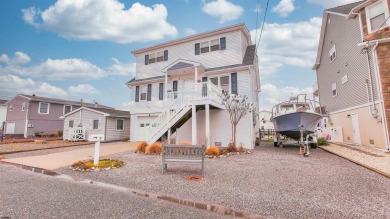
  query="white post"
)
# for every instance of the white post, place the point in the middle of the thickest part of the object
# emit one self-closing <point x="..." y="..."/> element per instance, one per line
<point x="194" y="129"/>
<point x="165" y="89"/>
<point x="207" y="125"/>
<point x="196" y="74"/>
<point x="97" y="151"/>
<point x="169" y="135"/>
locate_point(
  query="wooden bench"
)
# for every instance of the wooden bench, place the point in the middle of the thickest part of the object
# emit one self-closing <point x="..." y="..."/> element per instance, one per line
<point x="185" y="154"/>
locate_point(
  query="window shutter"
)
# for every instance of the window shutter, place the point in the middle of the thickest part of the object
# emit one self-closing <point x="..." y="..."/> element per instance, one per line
<point x="197" y="48"/>
<point x="146" y="59"/>
<point x="161" y="91"/>
<point x="234" y="83"/>
<point x="149" y="95"/>
<point x="223" y="43"/>
<point x="174" y="85"/>
<point x="166" y="55"/>
<point x="137" y="94"/>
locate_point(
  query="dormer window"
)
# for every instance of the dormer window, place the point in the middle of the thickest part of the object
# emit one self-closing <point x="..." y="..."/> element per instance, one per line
<point x="376" y="16"/>
<point x="204" y="47"/>
<point x="161" y="56"/>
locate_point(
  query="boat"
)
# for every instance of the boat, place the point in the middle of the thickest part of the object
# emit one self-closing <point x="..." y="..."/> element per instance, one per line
<point x="296" y="119"/>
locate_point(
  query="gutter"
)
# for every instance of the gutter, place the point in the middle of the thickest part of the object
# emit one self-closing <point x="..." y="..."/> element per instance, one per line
<point x="356" y="9"/>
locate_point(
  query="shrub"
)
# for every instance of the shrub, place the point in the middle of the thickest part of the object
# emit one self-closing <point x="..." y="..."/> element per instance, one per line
<point x="60" y="133"/>
<point x="212" y="151"/>
<point x="53" y="135"/>
<point x="232" y="148"/>
<point x="185" y="143"/>
<point x="155" y="148"/>
<point x="141" y="147"/>
<point x="322" y="141"/>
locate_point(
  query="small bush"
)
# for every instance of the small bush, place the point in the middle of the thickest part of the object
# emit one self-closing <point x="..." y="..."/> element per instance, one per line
<point x="60" y="133"/>
<point x="141" y="147"/>
<point x="232" y="148"/>
<point x="185" y="143"/>
<point x="322" y="141"/>
<point x="52" y="135"/>
<point x="155" y="148"/>
<point x="212" y="151"/>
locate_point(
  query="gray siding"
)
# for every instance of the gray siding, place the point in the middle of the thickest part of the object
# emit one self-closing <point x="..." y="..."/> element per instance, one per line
<point x="85" y="117"/>
<point x="112" y="134"/>
<point x="345" y="34"/>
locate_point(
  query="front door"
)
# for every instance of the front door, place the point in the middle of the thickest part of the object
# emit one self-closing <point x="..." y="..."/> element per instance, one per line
<point x="10" y="128"/>
<point x="355" y="128"/>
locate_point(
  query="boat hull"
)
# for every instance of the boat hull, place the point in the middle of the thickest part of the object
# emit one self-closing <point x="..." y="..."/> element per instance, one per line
<point x="289" y="124"/>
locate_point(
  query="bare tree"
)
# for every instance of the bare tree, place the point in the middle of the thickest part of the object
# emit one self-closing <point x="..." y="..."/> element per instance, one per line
<point x="237" y="107"/>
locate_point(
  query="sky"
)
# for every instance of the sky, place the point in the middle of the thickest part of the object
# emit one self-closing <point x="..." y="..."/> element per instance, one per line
<point x="81" y="49"/>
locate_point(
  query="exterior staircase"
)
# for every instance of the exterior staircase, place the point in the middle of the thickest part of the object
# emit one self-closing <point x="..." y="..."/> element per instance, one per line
<point x="179" y="108"/>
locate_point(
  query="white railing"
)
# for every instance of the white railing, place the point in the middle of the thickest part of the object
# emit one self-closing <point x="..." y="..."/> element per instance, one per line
<point x="176" y="101"/>
<point x="76" y="134"/>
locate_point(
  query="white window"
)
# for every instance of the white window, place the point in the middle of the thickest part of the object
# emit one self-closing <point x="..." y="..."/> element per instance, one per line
<point x="152" y="58"/>
<point x="224" y="82"/>
<point x="24" y="107"/>
<point x="119" y="124"/>
<point x="10" y="107"/>
<point x="95" y="124"/>
<point x="160" y="56"/>
<point x="71" y="123"/>
<point x="142" y="95"/>
<point x="214" y="45"/>
<point x="332" y="53"/>
<point x="344" y="79"/>
<point x="377" y="15"/>
<point x="334" y="90"/>
<point x="67" y="109"/>
<point x="44" y="108"/>
<point x="204" y="47"/>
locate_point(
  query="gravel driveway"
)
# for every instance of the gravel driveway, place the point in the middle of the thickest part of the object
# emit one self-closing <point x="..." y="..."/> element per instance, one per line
<point x="271" y="182"/>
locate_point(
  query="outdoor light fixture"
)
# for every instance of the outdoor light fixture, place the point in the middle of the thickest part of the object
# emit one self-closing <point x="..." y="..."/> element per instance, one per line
<point x="349" y="115"/>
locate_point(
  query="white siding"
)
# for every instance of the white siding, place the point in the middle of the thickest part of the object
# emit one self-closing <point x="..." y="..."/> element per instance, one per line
<point x="3" y="114"/>
<point x="85" y="117"/>
<point x="232" y="55"/>
<point x="114" y="135"/>
<point x="244" y="85"/>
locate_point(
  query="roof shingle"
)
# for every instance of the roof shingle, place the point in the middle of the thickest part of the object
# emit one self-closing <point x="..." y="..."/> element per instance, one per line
<point x="344" y="9"/>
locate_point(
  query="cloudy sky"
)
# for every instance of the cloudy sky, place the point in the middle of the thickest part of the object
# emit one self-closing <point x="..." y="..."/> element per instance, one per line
<point x="81" y="49"/>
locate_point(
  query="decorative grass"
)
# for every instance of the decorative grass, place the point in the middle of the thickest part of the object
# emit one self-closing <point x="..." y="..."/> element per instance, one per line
<point x="155" y="148"/>
<point x="212" y="151"/>
<point x="140" y="148"/>
<point x="103" y="164"/>
<point x="322" y="141"/>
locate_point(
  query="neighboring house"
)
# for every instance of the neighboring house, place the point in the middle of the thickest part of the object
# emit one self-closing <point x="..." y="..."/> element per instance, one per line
<point x="349" y="83"/>
<point x="111" y="124"/>
<point x="175" y="92"/>
<point x="29" y="114"/>
<point x="3" y="113"/>
<point x="265" y="120"/>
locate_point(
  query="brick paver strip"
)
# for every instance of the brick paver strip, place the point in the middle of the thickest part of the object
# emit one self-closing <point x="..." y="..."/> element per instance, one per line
<point x="357" y="162"/>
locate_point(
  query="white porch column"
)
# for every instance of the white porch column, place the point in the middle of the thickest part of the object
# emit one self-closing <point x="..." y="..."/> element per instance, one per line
<point x="165" y="89"/>
<point x="196" y="74"/>
<point x="207" y="125"/>
<point x="169" y="136"/>
<point x="194" y="128"/>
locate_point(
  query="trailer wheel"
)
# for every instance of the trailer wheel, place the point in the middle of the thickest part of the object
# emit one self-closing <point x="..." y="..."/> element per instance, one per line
<point x="313" y="145"/>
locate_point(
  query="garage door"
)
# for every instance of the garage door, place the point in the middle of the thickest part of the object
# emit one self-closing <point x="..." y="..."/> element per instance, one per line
<point x="143" y="125"/>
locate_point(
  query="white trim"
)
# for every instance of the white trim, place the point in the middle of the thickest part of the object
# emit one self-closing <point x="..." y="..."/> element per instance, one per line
<point x="140" y="93"/>
<point x="72" y="123"/>
<point x="84" y="108"/>
<point x="352" y="108"/>
<point x="23" y="106"/>
<point x="48" y="108"/>
<point x="63" y="111"/>
<point x="123" y="125"/>
<point x="335" y="13"/>
<point x="27" y="121"/>
<point x="93" y="124"/>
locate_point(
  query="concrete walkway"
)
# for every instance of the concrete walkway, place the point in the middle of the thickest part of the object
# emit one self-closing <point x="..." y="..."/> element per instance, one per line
<point x="371" y="158"/>
<point x="66" y="158"/>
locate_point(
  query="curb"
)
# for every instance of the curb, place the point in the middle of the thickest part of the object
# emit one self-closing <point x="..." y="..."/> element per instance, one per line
<point x="40" y="149"/>
<point x="357" y="162"/>
<point x="30" y="168"/>
<point x="194" y="204"/>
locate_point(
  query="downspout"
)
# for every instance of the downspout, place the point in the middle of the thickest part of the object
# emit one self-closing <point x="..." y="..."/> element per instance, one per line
<point x="27" y="120"/>
<point x="370" y="89"/>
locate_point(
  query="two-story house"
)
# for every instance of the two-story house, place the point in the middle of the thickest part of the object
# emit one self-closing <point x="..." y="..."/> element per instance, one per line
<point x="349" y="85"/>
<point x="28" y="114"/>
<point x="177" y="87"/>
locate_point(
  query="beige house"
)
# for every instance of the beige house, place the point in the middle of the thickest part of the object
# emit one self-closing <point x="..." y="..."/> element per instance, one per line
<point x="352" y="68"/>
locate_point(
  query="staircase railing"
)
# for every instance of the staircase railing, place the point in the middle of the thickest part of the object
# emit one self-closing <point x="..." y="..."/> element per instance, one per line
<point x="176" y="102"/>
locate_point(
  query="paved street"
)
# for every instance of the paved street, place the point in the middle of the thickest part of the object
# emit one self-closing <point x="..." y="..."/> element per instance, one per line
<point x="25" y="194"/>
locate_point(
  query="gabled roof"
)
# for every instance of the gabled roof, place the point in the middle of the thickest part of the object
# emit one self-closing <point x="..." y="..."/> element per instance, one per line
<point x="103" y="111"/>
<point x="344" y="9"/>
<point x="240" y="26"/>
<point x="60" y="101"/>
<point x="132" y="81"/>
